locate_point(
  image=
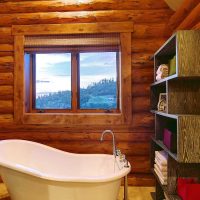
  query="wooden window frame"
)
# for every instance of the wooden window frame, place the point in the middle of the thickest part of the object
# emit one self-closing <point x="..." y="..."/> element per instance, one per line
<point x="124" y="116"/>
<point x="75" y="80"/>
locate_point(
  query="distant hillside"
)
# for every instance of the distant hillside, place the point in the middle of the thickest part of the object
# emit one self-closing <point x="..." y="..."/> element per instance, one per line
<point x="100" y="95"/>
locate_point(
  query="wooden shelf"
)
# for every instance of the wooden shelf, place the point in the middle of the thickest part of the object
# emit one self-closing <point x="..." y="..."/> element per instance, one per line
<point x="164" y="187"/>
<point x="164" y="80"/>
<point x="161" y="145"/>
<point x="182" y="116"/>
<point x="164" y="114"/>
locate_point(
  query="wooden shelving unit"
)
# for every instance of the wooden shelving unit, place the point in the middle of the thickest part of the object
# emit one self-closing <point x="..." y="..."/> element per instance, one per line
<point x="183" y="110"/>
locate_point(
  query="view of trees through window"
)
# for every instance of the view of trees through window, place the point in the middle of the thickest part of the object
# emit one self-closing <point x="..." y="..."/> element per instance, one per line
<point x="97" y="76"/>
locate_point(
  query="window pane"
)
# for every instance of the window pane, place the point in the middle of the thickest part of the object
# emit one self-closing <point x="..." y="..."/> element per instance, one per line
<point x="53" y="81"/>
<point x="98" y="80"/>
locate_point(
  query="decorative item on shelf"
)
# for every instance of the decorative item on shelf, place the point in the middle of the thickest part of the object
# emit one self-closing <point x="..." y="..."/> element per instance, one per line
<point x="162" y="103"/>
<point x="162" y="72"/>
<point x="160" y="166"/>
<point x="172" y="66"/>
<point x="188" y="188"/>
<point x="170" y="140"/>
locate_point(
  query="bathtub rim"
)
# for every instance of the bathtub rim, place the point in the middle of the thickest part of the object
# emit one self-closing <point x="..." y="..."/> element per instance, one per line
<point x="36" y="173"/>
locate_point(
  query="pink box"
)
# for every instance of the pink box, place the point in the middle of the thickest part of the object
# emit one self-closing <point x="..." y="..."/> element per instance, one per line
<point x="169" y="140"/>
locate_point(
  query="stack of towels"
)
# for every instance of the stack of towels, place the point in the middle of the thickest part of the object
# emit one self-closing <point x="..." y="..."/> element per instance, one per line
<point x="160" y="166"/>
<point x="162" y="72"/>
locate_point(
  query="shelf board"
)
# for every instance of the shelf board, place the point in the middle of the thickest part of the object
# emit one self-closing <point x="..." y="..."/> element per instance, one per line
<point x="164" y="80"/>
<point x="164" y="188"/>
<point x="165" y="114"/>
<point x="160" y="144"/>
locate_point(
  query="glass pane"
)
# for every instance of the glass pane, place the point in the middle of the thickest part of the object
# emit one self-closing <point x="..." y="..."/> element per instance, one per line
<point x="53" y="81"/>
<point x="98" y="80"/>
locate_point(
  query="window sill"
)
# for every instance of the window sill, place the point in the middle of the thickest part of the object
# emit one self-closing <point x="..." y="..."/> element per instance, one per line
<point x="74" y="118"/>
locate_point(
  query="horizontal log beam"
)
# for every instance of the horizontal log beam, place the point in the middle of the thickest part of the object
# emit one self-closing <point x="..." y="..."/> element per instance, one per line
<point x="75" y="5"/>
<point x="141" y="104"/>
<point x="146" y="45"/>
<point x="6" y="47"/>
<point x="60" y="134"/>
<point x="144" y="16"/>
<point x="183" y="11"/>
<point x="141" y="89"/>
<point x="148" y="30"/>
<point x="6" y="39"/>
<point x="6" y="106"/>
<point x="6" y="118"/>
<point x="143" y="120"/>
<point x="196" y="27"/>
<point x="6" y="92"/>
<point x="5" y="32"/>
<point x="142" y="60"/>
<point x="142" y="75"/>
<point x="191" y="20"/>
<point x="6" y="68"/>
<point x="6" y="78"/>
<point x="102" y="27"/>
<point x="141" y="179"/>
<point x="6" y="59"/>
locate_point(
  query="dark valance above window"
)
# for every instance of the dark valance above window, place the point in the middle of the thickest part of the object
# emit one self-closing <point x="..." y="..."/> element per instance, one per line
<point x="82" y="41"/>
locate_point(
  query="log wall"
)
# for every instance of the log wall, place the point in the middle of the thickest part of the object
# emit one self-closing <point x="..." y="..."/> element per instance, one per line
<point x="149" y="18"/>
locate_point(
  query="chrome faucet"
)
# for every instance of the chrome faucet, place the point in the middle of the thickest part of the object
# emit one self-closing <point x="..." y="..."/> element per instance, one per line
<point x="113" y="136"/>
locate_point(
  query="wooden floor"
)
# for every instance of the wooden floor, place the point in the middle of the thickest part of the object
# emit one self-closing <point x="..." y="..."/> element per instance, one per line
<point x="135" y="193"/>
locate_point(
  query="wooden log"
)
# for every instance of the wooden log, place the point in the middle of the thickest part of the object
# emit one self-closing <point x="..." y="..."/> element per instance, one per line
<point x="143" y="120"/>
<point x="140" y="164"/>
<point x="75" y="5"/>
<point x="140" y="89"/>
<point x="6" y="78"/>
<point x="140" y="149"/>
<point x="6" y="118"/>
<point x="186" y="7"/>
<point x="100" y="27"/>
<point x="196" y="27"/>
<point x="6" y="47"/>
<point x="146" y="45"/>
<point x="141" y="104"/>
<point x="6" y="107"/>
<point x="6" y="68"/>
<point x="6" y="53"/>
<point x="6" y="59"/>
<point x="5" y="31"/>
<point x="148" y="30"/>
<point x="191" y="20"/>
<point x="52" y="133"/>
<point x="6" y="39"/>
<point x="141" y="179"/>
<point x="6" y="92"/>
<point x="144" y="16"/>
<point x="142" y="60"/>
<point x="142" y="75"/>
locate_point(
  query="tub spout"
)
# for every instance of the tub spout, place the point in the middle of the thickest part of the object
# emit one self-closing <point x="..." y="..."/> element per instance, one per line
<point x="113" y="136"/>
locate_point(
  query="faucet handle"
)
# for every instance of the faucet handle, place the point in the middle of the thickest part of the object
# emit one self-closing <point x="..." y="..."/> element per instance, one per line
<point x="118" y="152"/>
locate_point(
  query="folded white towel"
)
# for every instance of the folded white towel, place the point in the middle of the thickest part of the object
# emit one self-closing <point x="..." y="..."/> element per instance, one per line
<point x="162" y="168"/>
<point x="164" y="173"/>
<point x="162" y="156"/>
<point x="163" y="181"/>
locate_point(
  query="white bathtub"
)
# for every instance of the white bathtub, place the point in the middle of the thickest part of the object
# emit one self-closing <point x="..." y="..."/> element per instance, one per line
<point x="32" y="171"/>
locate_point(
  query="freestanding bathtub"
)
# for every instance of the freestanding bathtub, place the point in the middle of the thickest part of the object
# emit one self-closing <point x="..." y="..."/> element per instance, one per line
<point x="32" y="171"/>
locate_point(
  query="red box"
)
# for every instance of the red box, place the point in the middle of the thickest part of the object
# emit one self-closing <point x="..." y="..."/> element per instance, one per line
<point x="188" y="189"/>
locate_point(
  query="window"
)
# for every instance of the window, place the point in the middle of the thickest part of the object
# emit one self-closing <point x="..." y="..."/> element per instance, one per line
<point x="73" y="77"/>
<point x="84" y="103"/>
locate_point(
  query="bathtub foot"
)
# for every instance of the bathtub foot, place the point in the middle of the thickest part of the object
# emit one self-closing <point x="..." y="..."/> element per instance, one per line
<point x="125" y="188"/>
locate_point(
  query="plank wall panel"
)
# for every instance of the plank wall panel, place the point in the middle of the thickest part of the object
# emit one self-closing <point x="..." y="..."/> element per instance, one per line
<point x="149" y="18"/>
